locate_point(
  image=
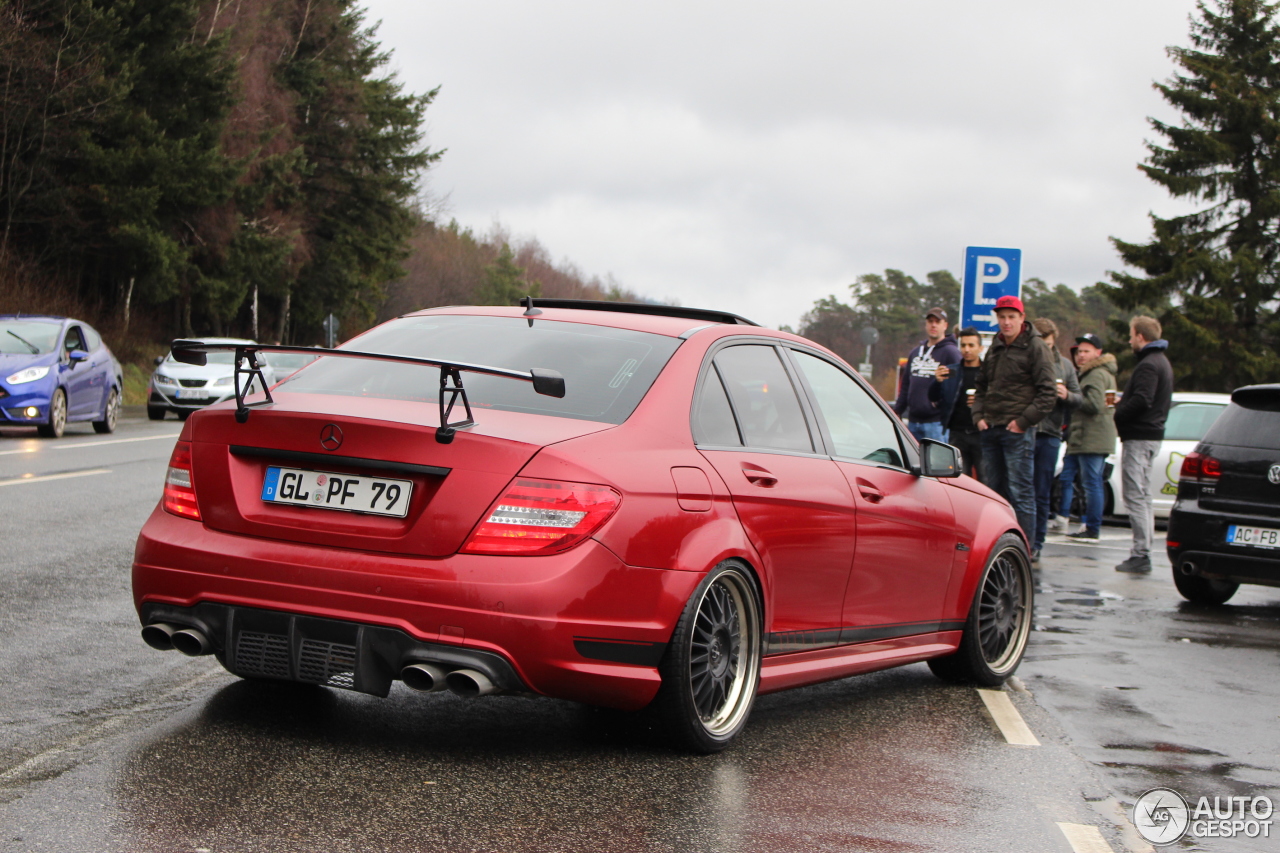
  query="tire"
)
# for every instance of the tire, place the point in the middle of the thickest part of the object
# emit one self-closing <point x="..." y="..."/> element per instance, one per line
<point x="110" y="414"/>
<point x="183" y="414"/>
<point x="57" y="416"/>
<point x="999" y="622"/>
<point x="156" y="413"/>
<point x="711" y="669"/>
<point x="1203" y="590"/>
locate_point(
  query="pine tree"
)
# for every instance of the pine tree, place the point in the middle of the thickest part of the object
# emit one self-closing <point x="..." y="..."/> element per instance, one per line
<point x="361" y="137"/>
<point x="1218" y="269"/>
<point x="504" y="281"/>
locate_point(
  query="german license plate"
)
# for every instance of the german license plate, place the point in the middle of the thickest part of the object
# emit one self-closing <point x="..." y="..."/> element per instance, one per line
<point x="376" y="495"/>
<point x="193" y="393"/>
<point x="1258" y="537"/>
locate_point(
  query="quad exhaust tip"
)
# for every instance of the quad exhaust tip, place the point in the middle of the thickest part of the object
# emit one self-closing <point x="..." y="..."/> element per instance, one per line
<point x="159" y="635"/>
<point x="165" y="636"/>
<point x="468" y="683"/>
<point x="424" y="677"/>
<point x="191" y="642"/>
<point x="430" y="678"/>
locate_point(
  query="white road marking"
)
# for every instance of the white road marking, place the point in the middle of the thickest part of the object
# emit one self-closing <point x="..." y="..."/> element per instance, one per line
<point x="1084" y="838"/>
<point x="22" y="481"/>
<point x="72" y="445"/>
<point x="23" y="450"/>
<point x="99" y="731"/>
<point x="1007" y="718"/>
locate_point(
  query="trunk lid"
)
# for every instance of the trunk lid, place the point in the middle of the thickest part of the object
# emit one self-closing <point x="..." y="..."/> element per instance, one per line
<point x="379" y="437"/>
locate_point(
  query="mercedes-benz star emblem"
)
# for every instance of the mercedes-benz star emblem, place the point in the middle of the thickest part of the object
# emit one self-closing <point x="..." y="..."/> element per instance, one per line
<point x="330" y="437"/>
<point x="1273" y="474"/>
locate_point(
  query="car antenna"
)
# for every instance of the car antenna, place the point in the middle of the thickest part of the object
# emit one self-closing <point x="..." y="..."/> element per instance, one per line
<point x="529" y="311"/>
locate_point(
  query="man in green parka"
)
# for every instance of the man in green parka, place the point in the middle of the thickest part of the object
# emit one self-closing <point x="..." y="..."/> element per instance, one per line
<point x="1092" y="434"/>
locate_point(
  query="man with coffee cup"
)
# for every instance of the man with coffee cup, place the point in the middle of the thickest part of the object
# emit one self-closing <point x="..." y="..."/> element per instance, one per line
<point x="1140" y="417"/>
<point x="924" y="420"/>
<point x="953" y="393"/>
<point x="1049" y="431"/>
<point x="1092" y="434"/>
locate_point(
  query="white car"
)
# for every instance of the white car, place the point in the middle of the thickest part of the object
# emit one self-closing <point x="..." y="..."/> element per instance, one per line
<point x="1190" y="416"/>
<point x="183" y="388"/>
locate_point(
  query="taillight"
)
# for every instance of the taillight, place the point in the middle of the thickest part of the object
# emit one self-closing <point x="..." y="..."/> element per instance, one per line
<point x="1200" y="467"/>
<point x="542" y="517"/>
<point x="179" y="491"/>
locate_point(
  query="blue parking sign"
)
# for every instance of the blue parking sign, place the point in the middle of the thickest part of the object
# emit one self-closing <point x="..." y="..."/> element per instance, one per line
<point x="988" y="274"/>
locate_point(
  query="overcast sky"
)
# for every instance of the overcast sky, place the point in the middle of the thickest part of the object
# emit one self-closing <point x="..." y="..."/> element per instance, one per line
<point x="756" y="156"/>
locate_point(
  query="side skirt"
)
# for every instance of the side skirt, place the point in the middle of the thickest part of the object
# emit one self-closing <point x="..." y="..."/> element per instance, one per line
<point x="783" y="671"/>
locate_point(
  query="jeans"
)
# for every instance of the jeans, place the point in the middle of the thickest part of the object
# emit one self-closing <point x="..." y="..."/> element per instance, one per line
<point x="1046" y="463"/>
<point x="970" y="446"/>
<point x="1007" y="467"/>
<point x="927" y="429"/>
<point x="1136" y="456"/>
<point x="1090" y="466"/>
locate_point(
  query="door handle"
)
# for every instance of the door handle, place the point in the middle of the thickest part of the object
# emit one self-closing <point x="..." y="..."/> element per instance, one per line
<point x="759" y="477"/>
<point x="870" y="492"/>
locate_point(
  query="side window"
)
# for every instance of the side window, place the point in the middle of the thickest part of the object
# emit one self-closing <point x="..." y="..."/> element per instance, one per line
<point x="763" y="398"/>
<point x="74" y="339"/>
<point x="92" y="339"/>
<point x="713" y="421"/>
<point x="859" y="428"/>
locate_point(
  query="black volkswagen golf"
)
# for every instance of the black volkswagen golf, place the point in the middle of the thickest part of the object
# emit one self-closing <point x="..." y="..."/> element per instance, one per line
<point x="1224" y="529"/>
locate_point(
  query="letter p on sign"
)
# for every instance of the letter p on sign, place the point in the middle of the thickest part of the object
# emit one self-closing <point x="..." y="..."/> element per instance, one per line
<point x="991" y="270"/>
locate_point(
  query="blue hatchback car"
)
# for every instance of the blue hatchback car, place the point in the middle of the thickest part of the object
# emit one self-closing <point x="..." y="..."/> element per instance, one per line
<point x="54" y="370"/>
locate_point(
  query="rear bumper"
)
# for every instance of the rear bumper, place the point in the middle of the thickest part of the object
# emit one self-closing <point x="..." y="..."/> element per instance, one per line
<point x="1198" y="546"/>
<point x="580" y="625"/>
<point x="256" y="643"/>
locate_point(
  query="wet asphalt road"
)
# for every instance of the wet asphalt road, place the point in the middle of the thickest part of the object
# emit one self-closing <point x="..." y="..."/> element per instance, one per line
<point x="107" y="745"/>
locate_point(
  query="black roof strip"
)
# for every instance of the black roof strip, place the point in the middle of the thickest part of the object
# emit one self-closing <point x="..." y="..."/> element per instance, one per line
<point x="703" y="314"/>
<point x="303" y="458"/>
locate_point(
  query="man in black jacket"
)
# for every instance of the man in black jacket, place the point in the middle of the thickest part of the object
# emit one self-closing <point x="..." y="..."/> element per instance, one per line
<point x="1015" y="390"/>
<point x="1140" y="417"/>
<point x="951" y="394"/>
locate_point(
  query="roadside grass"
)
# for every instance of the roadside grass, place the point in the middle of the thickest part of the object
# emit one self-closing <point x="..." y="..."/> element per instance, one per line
<point x="135" y="384"/>
<point x="138" y="361"/>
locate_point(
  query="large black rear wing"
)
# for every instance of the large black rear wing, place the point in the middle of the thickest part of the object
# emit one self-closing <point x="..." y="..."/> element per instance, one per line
<point x="549" y="383"/>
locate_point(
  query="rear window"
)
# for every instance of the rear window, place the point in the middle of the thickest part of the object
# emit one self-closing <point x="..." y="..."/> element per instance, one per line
<point x="606" y="371"/>
<point x="1252" y="420"/>
<point x="1190" y="421"/>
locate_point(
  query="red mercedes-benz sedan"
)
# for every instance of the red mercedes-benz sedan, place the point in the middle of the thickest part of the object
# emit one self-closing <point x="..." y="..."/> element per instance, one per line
<point x="630" y="506"/>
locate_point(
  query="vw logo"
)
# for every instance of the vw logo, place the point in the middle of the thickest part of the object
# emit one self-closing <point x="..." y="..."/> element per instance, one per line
<point x="1273" y="474"/>
<point x="330" y="437"/>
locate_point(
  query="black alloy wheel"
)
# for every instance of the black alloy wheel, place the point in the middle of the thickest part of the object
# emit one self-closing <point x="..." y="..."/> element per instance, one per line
<point x="999" y="622"/>
<point x="711" y="670"/>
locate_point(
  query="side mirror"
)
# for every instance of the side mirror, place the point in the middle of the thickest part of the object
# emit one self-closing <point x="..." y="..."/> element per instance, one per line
<point x="938" y="459"/>
<point x="77" y="355"/>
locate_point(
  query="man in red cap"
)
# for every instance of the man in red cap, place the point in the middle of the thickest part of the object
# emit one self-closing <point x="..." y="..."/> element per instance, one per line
<point x="1015" y="389"/>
